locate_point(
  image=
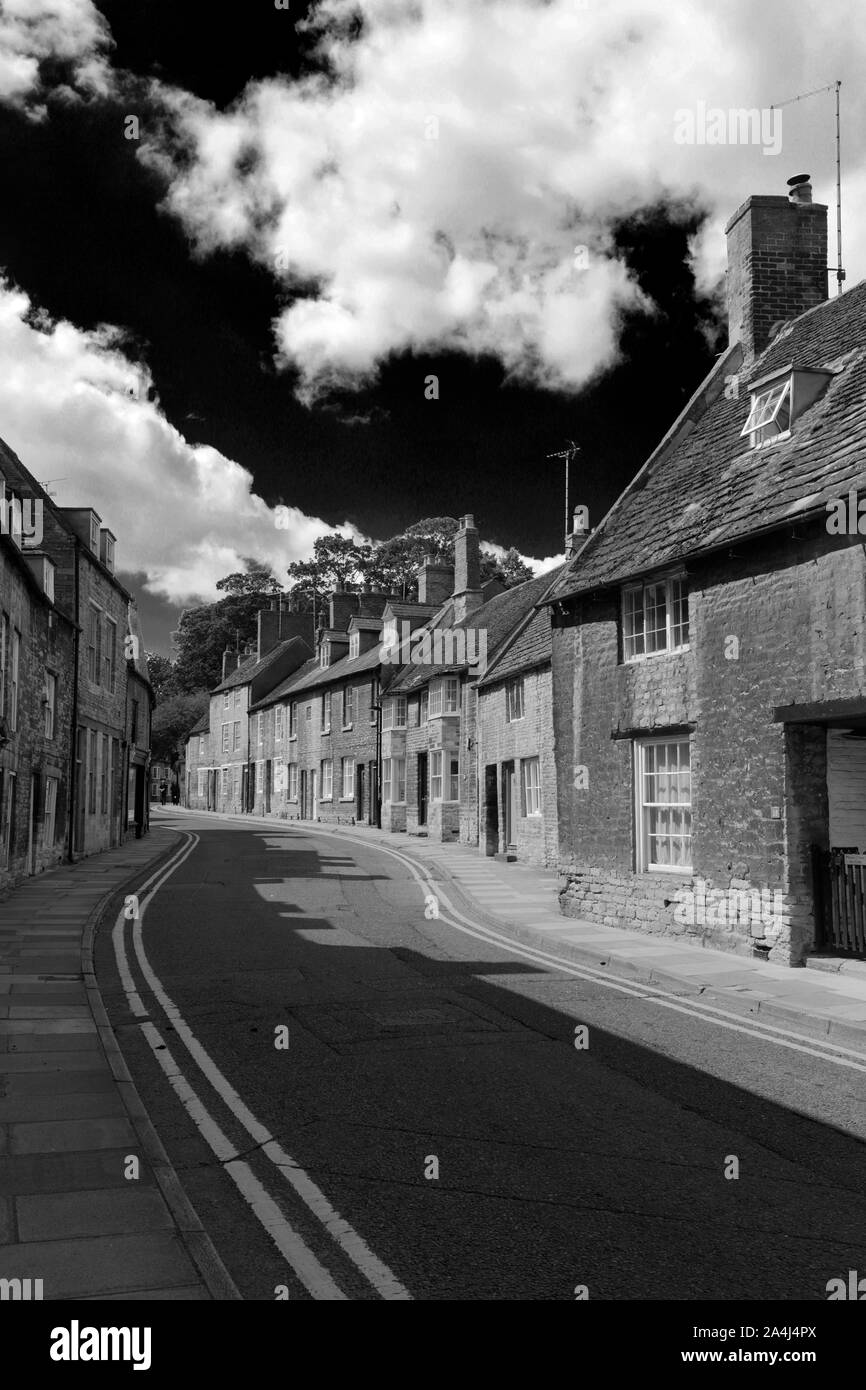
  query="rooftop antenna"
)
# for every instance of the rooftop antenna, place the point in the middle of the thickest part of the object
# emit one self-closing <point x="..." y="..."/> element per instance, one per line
<point x="52" y="480"/>
<point x="840" y="274"/>
<point x="568" y="455"/>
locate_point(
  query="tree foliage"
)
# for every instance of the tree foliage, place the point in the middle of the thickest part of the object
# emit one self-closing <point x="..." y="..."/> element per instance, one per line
<point x="172" y="720"/>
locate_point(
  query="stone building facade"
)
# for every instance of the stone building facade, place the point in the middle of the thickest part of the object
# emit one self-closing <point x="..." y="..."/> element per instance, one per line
<point x="709" y="640"/>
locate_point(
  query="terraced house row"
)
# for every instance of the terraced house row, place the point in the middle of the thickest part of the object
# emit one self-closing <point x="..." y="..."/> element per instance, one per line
<point x="75" y="697"/>
<point x="676" y="718"/>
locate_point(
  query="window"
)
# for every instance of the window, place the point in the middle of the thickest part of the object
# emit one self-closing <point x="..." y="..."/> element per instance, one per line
<point x="48" y="569"/>
<point x="326" y="712"/>
<point x="7" y="809"/>
<point x="227" y="697"/>
<point x="531" y="787"/>
<point x="200" y="745"/>
<point x="13" y="679"/>
<point x="260" y="777"/>
<point x="236" y="736"/>
<point x="91" y="772"/>
<point x="348" y="779"/>
<point x="50" y="703"/>
<point x="514" y="700"/>
<point x="386" y="779"/>
<point x="109" y="658"/>
<point x="226" y="731"/>
<point x="308" y="714"/>
<point x="279" y="720"/>
<point x="664" y="804"/>
<point x="398" y="779"/>
<point x="655" y="619"/>
<point x="50" y="829"/>
<point x="108" y="557"/>
<point x="293" y="781"/>
<point x="103" y="776"/>
<point x="327" y="779"/>
<point x="444" y="696"/>
<point x="238" y="698"/>
<point x="453" y="779"/>
<point x="293" y="720"/>
<point x="94" y="643"/>
<point x="94" y="533"/>
<point x="422" y="707"/>
<point x="279" y="777"/>
<point x="200" y="782"/>
<point x="348" y="706"/>
<point x="4" y="637"/>
<point x="770" y="415"/>
<point x="436" y="775"/>
<point x="354" y="645"/>
<point x="394" y="713"/>
<point x="260" y="724"/>
<point x="324" y="655"/>
<point x="236" y="781"/>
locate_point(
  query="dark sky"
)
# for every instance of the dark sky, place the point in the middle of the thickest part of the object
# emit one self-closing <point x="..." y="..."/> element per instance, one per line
<point x="81" y="233"/>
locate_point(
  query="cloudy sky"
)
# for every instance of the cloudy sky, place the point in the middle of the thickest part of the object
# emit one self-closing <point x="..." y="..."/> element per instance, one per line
<point x="234" y="252"/>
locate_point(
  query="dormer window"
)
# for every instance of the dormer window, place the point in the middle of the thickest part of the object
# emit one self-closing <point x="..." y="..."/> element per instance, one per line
<point x="770" y="415"/>
<point x="107" y="551"/>
<point x="324" y="655"/>
<point x="354" y="645"/>
<point x="94" y="533"/>
<point x="780" y="399"/>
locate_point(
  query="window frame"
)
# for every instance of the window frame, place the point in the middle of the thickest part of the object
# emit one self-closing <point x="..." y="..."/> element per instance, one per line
<point x="642" y="808"/>
<point x="514" y="688"/>
<point x="673" y="601"/>
<point x="345" y="763"/>
<point x="326" y="779"/>
<point x="757" y="433"/>
<point x="531" y="787"/>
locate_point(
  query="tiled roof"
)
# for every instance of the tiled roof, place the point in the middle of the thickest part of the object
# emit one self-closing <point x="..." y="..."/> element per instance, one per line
<point x="201" y="726"/>
<point x="704" y="487"/>
<point x="312" y="676"/>
<point x="250" y="669"/>
<point x="530" y="646"/>
<point x="498" y="617"/>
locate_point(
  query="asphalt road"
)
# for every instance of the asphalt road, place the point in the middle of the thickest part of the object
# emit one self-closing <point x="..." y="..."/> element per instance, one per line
<point x="410" y="1041"/>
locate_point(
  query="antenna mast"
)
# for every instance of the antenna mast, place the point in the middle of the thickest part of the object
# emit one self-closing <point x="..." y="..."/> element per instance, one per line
<point x="837" y="85"/>
<point x="568" y="455"/>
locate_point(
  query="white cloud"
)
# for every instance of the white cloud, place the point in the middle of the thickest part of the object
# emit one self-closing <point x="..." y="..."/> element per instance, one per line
<point x="31" y="31"/>
<point x="74" y="407"/>
<point x="454" y="181"/>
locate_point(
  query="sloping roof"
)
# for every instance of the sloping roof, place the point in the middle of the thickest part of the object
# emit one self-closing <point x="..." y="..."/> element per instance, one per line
<point x="312" y="675"/>
<point x="499" y="616"/>
<point x="529" y="645"/>
<point x="704" y="487"/>
<point x="201" y="726"/>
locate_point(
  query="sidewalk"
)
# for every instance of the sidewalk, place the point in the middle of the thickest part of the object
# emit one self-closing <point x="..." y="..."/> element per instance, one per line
<point x="70" y="1114"/>
<point x="827" y="1002"/>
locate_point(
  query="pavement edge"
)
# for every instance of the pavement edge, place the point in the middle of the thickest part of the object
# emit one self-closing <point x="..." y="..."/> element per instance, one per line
<point x="193" y="1235"/>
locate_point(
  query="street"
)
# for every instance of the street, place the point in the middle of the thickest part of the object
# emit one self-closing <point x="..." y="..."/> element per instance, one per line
<point x="365" y="1102"/>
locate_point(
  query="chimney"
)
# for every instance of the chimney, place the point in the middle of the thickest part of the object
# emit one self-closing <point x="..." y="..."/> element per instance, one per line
<point x="435" y="581"/>
<point x="276" y="625"/>
<point x="467" y="569"/>
<point x="342" y="606"/>
<point x="579" y="532"/>
<point x="777" y="263"/>
<point x="231" y="662"/>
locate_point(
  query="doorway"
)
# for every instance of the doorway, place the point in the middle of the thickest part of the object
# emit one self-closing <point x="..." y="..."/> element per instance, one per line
<point x="314" y="794"/>
<point x="422" y="788"/>
<point x="491" y="811"/>
<point x="360" y="785"/>
<point x="509" y="804"/>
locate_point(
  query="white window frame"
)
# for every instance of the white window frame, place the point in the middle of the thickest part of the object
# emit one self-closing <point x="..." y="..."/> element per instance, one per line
<point x="453" y="777"/>
<point x="279" y="721"/>
<point x="531" y="778"/>
<point x="201" y="739"/>
<point x="394" y="712"/>
<point x="50" y="704"/>
<point x="260" y="777"/>
<point x="326" y="712"/>
<point x="327" y="779"/>
<point x="49" y="830"/>
<point x="225" y="737"/>
<point x="236" y="736"/>
<point x="347" y="776"/>
<point x="398" y="781"/>
<point x="644" y="808"/>
<point x="762" y="424"/>
<point x="354" y="645"/>
<point x="515" y="707"/>
<point x="227" y="699"/>
<point x="436" y="760"/>
<point x="292" y="794"/>
<point x="676" y="598"/>
<point x="293" y="719"/>
<point x="386" y="779"/>
<point x="347" y="704"/>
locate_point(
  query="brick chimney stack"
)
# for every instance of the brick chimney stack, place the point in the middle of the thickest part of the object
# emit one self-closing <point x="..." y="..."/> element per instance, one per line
<point x="231" y="662"/>
<point x="777" y="263"/>
<point x="435" y="581"/>
<point x="467" y="568"/>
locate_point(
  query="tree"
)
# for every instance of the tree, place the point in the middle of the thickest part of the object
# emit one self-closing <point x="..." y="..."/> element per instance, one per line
<point x="256" y="579"/>
<point x="204" y="633"/>
<point x="510" y="568"/>
<point x="172" y="720"/>
<point x="336" y="560"/>
<point x="161" y="672"/>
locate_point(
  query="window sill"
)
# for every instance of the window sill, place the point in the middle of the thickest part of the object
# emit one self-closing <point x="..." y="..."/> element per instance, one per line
<point x="347" y="798"/>
<point x="651" y="656"/>
<point x="346" y="728"/>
